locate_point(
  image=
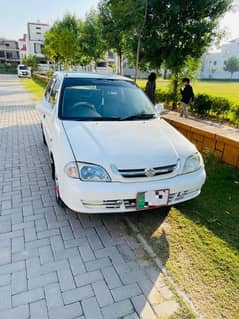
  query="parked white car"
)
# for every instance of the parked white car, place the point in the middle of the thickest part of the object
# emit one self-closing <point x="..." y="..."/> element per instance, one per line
<point x="109" y="149"/>
<point x="23" y="71"/>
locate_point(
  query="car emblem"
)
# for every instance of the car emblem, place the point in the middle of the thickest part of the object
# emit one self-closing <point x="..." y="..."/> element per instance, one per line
<point x="150" y="172"/>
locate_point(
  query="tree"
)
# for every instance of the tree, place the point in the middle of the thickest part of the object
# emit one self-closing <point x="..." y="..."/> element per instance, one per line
<point x="123" y="23"/>
<point x="232" y="65"/>
<point x="177" y="30"/>
<point x="61" y="41"/>
<point x="91" y="43"/>
<point x="30" y="61"/>
<point x="112" y="27"/>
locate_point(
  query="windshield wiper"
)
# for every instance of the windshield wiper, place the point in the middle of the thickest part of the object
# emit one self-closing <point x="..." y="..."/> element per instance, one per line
<point x="140" y="116"/>
<point x="85" y="119"/>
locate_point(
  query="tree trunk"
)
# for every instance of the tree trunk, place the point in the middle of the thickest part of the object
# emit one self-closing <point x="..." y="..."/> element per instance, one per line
<point x="165" y="73"/>
<point x="139" y="41"/>
<point x="120" y="62"/>
<point x="137" y="58"/>
<point x="175" y="91"/>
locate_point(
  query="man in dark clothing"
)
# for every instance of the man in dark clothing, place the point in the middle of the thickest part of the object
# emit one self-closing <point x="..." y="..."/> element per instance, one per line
<point x="187" y="97"/>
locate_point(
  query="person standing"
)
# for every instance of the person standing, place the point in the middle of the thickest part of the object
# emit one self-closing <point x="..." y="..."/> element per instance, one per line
<point x="187" y="97"/>
<point x="151" y="87"/>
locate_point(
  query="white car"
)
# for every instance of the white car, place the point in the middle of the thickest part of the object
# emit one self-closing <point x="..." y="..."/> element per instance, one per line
<point x="23" y="71"/>
<point x="109" y="149"/>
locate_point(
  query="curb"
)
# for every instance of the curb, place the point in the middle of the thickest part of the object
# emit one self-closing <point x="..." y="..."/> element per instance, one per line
<point x="159" y="264"/>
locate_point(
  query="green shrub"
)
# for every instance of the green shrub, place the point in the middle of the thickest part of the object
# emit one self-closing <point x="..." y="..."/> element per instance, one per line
<point x="163" y="96"/>
<point x="235" y="115"/>
<point x="202" y="104"/>
<point x="220" y="105"/>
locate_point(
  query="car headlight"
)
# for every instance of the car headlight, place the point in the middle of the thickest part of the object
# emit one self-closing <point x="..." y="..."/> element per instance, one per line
<point x="192" y="163"/>
<point x="87" y="172"/>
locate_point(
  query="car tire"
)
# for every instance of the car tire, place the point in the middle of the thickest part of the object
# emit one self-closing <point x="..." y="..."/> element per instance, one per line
<point x="164" y="211"/>
<point x="43" y="135"/>
<point x="57" y="190"/>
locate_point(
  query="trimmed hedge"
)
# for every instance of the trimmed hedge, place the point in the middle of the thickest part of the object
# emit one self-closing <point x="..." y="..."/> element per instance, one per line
<point x="209" y="105"/>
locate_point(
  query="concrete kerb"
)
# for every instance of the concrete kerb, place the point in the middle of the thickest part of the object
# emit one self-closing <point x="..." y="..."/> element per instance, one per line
<point x="159" y="264"/>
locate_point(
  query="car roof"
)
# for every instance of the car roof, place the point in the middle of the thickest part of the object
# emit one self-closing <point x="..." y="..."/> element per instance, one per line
<point x="92" y="75"/>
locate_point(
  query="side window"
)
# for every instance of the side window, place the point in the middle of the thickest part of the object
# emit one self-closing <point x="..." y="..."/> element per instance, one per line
<point x="54" y="92"/>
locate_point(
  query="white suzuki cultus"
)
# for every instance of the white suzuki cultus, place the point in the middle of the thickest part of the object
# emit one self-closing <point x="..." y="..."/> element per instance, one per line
<point x="109" y="149"/>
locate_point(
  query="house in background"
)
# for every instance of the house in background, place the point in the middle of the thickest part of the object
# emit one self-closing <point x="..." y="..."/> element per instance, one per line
<point x="9" y="51"/>
<point x="35" y="39"/>
<point x="214" y="62"/>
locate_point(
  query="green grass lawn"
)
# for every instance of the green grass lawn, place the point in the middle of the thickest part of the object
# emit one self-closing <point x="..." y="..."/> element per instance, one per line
<point x="229" y="90"/>
<point x="199" y="243"/>
<point x="35" y="86"/>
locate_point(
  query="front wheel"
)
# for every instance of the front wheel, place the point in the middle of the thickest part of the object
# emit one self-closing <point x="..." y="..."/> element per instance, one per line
<point x="43" y="136"/>
<point x="57" y="191"/>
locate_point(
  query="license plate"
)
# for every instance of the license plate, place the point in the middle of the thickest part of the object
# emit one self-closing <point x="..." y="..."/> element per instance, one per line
<point x="152" y="199"/>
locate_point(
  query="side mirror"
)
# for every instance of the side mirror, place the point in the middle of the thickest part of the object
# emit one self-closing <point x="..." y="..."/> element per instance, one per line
<point x="159" y="108"/>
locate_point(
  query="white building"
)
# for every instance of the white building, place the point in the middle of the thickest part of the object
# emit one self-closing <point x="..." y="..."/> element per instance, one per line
<point x="35" y="38"/>
<point x="214" y="62"/>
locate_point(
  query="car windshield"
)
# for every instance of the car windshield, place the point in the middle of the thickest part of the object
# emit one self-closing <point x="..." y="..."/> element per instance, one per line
<point x="22" y="67"/>
<point x="103" y="100"/>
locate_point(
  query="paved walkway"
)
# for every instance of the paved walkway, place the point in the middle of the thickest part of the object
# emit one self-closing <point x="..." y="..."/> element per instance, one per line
<point x="55" y="263"/>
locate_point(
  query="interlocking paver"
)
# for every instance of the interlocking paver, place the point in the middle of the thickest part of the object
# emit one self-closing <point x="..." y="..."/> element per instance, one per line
<point x="102" y="293"/>
<point x="19" y="282"/>
<point x="53" y="296"/>
<point x="88" y="278"/>
<point x="21" y="312"/>
<point x="125" y="292"/>
<point x="77" y="265"/>
<point x="91" y="309"/>
<point x="77" y="294"/>
<point x="111" y="277"/>
<point x="117" y="310"/>
<point x="50" y="255"/>
<point x="43" y="280"/>
<point x="66" y="279"/>
<point x="66" y="312"/>
<point x="27" y="297"/>
<point x="5" y="297"/>
<point x="38" y="310"/>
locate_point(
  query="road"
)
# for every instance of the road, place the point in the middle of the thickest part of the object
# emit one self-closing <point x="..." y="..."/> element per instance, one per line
<point x="55" y="263"/>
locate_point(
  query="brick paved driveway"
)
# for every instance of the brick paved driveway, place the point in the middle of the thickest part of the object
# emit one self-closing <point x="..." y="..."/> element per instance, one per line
<point x="55" y="263"/>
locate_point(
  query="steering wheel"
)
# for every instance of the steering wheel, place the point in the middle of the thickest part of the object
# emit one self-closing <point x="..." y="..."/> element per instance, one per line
<point x="84" y="104"/>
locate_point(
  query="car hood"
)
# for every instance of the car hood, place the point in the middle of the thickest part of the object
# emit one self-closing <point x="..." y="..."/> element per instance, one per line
<point x="128" y="144"/>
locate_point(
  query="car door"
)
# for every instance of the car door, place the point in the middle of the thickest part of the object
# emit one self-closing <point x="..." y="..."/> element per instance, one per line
<point x="45" y="107"/>
<point x="51" y="114"/>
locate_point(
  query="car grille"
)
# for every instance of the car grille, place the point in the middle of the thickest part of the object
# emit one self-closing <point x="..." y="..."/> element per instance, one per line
<point x="155" y="171"/>
<point x="111" y="204"/>
<point x="174" y="197"/>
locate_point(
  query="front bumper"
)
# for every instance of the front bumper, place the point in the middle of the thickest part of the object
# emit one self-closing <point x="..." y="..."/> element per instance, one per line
<point x="114" y="197"/>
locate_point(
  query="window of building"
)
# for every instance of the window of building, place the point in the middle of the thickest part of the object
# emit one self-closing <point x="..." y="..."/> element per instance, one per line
<point x="215" y="63"/>
<point x="37" y="48"/>
<point x="38" y="28"/>
<point x="9" y="55"/>
<point x="2" y="54"/>
<point x="38" y="32"/>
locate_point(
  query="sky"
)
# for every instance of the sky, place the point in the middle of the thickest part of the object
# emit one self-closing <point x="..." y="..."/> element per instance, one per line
<point x="14" y="15"/>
